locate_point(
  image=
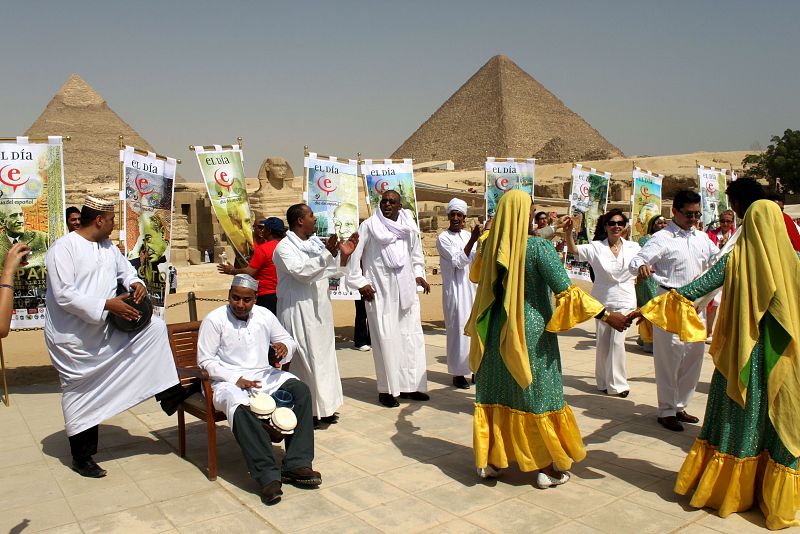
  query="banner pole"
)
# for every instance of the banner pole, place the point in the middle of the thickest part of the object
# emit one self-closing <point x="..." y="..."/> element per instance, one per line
<point x="6" y="398"/>
<point x="121" y="196"/>
<point x="305" y="175"/>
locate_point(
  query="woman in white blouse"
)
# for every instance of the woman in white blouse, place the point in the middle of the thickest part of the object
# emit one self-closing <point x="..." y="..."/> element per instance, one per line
<point x="610" y="256"/>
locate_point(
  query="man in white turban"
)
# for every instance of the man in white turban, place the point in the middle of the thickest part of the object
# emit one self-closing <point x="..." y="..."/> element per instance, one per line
<point x="393" y="266"/>
<point x="456" y="249"/>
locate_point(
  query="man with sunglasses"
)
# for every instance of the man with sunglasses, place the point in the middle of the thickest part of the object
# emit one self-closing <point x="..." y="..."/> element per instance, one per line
<point x="674" y="257"/>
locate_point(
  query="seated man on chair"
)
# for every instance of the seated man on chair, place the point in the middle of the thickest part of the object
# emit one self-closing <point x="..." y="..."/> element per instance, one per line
<point x="233" y="346"/>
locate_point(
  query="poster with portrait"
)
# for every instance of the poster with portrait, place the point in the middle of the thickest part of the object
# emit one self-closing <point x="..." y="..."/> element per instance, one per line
<point x="31" y="211"/>
<point x="332" y="194"/>
<point x="713" y="201"/>
<point x="223" y="175"/>
<point x="587" y="202"/>
<point x="504" y="175"/>
<point x="645" y="201"/>
<point x="147" y="220"/>
<point x="382" y="177"/>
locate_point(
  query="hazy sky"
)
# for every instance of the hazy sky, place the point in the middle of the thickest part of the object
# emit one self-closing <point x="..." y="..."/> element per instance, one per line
<point x="360" y="76"/>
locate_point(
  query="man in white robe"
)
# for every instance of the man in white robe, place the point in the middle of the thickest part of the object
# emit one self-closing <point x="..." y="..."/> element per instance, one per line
<point x="456" y="249"/>
<point x="304" y="263"/>
<point x="233" y="346"/>
<point x="103" y="370"/>
<point x="393" y="266"/>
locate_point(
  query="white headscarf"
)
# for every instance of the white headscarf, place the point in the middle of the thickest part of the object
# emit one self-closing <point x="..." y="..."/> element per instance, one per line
<point x="313" y="246"/>
<point x="394" y="238"/>
<point x="457" y="205"/>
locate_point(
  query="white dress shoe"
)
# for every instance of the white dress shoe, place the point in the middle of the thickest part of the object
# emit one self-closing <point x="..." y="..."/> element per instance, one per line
<point x="544" y="481"/>
<point x="489" y="471"/>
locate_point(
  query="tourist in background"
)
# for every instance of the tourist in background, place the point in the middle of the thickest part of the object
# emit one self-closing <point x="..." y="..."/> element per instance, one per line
<point x="73" y="216"/>
<point x="520" y="412"/>
<point x="610" y="256"/>
<point x="719" y="236"/>
<point x="267" y="234"/>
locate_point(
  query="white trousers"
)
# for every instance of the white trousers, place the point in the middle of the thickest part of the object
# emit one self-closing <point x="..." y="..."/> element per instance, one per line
<point x="677" y="366"/>
<point x="609" y="368"/>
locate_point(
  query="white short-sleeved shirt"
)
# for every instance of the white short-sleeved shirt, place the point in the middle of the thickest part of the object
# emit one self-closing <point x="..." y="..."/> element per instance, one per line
<point x="613" y="281"/>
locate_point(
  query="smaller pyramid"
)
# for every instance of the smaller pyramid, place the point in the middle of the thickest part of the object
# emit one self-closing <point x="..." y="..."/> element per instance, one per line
<point x="502" y="111"/>
<point x="91" y="156"/>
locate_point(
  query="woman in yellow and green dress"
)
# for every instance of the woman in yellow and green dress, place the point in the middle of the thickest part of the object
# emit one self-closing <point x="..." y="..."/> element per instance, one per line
<point x="647" y="289"/>
<point x="520" y="413"/>
<point x="749" y="445"/>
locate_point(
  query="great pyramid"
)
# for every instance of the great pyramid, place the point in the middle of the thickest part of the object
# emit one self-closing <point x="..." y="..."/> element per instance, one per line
<point x="91" y="156"/>
<point x="502" y="111"/>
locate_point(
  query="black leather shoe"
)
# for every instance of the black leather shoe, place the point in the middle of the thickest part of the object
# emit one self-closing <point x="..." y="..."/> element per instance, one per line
<point x="302" y="476"/>
<point x="684" y="417"/>
<point x="388" y="400"/>
<point x="671" y="423"/>
<point x="271" y="493"/>
<point x="623" y="394"/>
<point x="460" y="382"/>
<point x="415" y="395"/>
<point x="88" y="468"/>
<point x="330" y="419"/>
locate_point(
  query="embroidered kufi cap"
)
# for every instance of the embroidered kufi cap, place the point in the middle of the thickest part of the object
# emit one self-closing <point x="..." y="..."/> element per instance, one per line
<point x="245" y="280"/>
<point x="98" y="203"/>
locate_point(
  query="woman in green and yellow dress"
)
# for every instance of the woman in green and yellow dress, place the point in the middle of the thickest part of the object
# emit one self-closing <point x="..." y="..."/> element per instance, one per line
<point x="647" y="289"/>
<point x="520" y="412"/>
<point x="749" y="445"/>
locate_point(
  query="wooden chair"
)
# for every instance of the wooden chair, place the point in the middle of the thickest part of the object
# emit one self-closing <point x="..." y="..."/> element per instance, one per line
<point x="183" y="342"/>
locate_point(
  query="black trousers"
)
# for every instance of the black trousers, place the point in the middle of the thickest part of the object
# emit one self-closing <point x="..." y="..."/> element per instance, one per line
<point x="268" y="301"/>
<point x="256" y="445"/>
<point x="361" y="329"/>
<point x="83" y="445"/>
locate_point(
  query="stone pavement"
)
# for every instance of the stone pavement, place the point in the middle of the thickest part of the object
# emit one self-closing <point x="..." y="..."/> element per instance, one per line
<point x="408" y="469"/>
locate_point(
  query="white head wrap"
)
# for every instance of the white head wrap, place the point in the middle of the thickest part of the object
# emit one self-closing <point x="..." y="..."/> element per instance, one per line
<point x="457" y="205"/>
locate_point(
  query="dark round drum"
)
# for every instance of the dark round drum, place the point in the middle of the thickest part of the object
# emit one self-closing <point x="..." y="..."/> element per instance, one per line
<point x="145" y="308"/>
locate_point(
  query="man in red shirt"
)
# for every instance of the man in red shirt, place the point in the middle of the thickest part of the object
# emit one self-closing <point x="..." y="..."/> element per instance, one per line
<point x="267" y="234"/>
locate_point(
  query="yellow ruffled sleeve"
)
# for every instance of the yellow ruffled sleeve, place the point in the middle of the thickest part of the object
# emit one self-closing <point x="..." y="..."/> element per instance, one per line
<point x="573" y="306"/>
<point x="675" y="313"/>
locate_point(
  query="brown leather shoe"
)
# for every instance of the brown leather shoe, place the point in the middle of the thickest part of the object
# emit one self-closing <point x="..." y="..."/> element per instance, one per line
<point x="671" y="423"/>
<point x="684" y="417"/>
<point x="271" y="493"/>
<point x="302" y="476"/>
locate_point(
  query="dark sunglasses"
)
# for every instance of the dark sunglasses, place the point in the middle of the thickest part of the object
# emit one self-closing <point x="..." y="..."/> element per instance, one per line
<point x="615" y="223"/>
<point x="726" y="221"/>
<point x="692" y="214"/>
<point x="260" y="226"/>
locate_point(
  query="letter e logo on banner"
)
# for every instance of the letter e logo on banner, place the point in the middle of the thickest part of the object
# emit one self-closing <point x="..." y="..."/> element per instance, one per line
<point x="502" y="183"/>
<point x="381" y="187"/>
<point x="143" y="185"/>
<point x="326" y="184"/>
<point x="11" y="177"/>
<point x="221" y="177"/>
<point x="584" y="190"/>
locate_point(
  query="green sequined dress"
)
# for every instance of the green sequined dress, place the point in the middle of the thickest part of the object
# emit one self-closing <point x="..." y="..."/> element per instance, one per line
<point x="738" y="454"/>
<point x="533" y="427"/>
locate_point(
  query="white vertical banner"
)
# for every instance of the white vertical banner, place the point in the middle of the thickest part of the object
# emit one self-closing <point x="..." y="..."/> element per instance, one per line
<point x="149" y="183"/>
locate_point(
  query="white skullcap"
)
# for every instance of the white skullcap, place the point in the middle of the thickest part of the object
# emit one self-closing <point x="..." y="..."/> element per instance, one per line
<point x="245" y="280"/>
<point x="98" y="204"/>
<point x="457" y="205"/>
